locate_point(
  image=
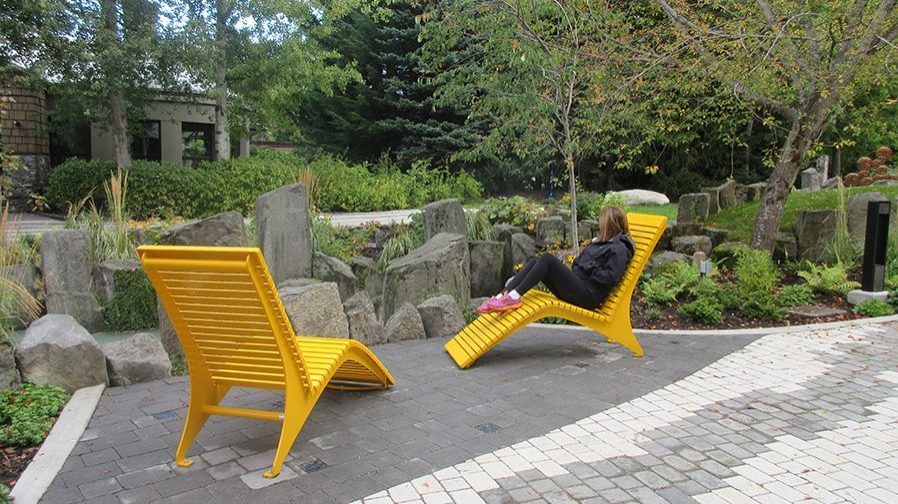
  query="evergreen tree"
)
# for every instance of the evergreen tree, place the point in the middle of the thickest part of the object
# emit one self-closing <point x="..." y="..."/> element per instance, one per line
<point x="391" y="110"/>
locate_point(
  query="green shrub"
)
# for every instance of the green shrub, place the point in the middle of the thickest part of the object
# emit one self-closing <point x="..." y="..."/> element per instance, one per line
<point x="827" y="279"/>
<point x="133" y="306"/>
<point x="704" y="309"/>
<point x="517" y="211"/>
<point x="757" y="278"/>
<point x="668" y="281"/>
<point x="874" y="308"/>
<point x="762" y="305"/>
<point x="26" y="413"/>
<point x="166" y="190"/>
<point x="795" y="295"/>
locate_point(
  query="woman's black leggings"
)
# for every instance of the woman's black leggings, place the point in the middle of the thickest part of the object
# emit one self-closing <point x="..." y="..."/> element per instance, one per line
<point x="560" y="280"/>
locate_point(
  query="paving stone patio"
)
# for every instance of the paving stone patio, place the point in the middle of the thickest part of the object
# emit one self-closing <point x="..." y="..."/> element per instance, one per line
<point x="551" y="415"/>
<point x="355" y="444"/>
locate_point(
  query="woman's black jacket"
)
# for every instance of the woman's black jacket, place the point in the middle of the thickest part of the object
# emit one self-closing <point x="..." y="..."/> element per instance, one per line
<point x="603" y="263"/>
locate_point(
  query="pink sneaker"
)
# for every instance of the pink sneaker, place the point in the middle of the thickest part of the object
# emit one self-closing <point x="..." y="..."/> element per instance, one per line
<point x="503" y="304"/>
<point x="484" y="307"/>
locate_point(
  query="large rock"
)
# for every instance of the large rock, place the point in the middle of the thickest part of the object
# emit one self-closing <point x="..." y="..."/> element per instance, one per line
<point x="315" y="309"/>
<point x="57" y="350"/>
<point x="444" y="216"/>
<point x="362" y="318"/>
<point x="487" y="267"/>
<point x="753" y="192"/>
<point x="104" y="276"/>
<point x="282" y="217"/>
<point x="441" y="317"/>
<point x="662" y="258"/>
<point x="137" y="359"/>
<point x="9" y="373"/>
<point x="693" y="208"/>
<point x="405" y="324"/>
<point x="68" y="282"/>
<point x="713" y="200"/>
<point x="362" y="266"/>
<point x="503" y="233"/>
<point x="331" y="269"/>
<point x="726" y="195"/>
<point x="785" y="248"/>
<point x="440" y="266"/>
<point x="25" y="276"/>
<point x="223" y="230"/>
<point x="726" y="253"/>
<point x="810" y="179"/>
<point x="168" y="336"/>
<point x="664" y="241"/>
<point x="857" y="216"/>
<point x="717" y="235"/>
<point x="689" y="245"/>
<point x="642" y="197"/>
<point x="587" y="229"/>
<point x="814" y="231"/>
<point x="685" y="229"/>
<point x="550" y="230"/>
<point x="522" y="248"/>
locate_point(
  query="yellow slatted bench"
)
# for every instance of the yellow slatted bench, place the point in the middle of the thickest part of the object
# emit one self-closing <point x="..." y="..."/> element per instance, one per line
<point x="612" y="319"/>
<point x="229" y="319"/>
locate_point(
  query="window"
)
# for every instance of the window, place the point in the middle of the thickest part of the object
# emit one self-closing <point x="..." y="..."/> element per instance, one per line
<point x="148" y="144"/>
<point x="198" y="140"/>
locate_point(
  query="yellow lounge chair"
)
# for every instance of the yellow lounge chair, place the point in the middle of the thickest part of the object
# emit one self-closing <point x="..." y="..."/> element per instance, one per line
<point x="234" y="331"/>
<point x="612" y="319"/>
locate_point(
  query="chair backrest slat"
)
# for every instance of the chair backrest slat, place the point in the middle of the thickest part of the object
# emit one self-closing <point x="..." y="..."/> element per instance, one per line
<point x="227" y="314"/>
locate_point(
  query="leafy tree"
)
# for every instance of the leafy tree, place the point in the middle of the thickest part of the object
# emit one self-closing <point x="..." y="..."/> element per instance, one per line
<point x="101" y="57"/>
<point x="797" y="61"/>
<point x="528" y="68"/>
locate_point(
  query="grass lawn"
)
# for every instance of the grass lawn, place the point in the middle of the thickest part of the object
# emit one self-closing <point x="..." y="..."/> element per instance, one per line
<point x="669" y="210"/>
<point x="740" y="220"/>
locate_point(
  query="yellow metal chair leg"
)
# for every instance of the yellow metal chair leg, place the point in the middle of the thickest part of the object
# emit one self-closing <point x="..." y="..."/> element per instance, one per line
<point x="620" y="330"/>
<point x="295" y="414"/>
<point x="200" y="396"/>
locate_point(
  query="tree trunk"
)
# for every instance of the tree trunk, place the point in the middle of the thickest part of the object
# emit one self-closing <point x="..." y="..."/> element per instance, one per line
<point x="222" y="136"/>
<point x="746" y="168"/>
<point x="779" y="185"/>
<point x="118" y="121"/>
<point x="575" y="238"/>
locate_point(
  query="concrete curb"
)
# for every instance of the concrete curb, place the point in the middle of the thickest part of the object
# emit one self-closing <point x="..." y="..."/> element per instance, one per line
<point x="65" y="435"/>
<point x="736" y="332"/>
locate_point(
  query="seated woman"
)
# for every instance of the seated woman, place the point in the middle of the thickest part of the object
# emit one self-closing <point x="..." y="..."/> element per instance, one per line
<point x="593" y="275"/>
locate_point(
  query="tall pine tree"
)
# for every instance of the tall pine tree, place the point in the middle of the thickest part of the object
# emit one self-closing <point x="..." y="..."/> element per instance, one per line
<point x="391" y="111"/>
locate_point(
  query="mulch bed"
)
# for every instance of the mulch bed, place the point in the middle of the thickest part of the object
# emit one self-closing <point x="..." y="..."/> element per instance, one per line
<point x="671" y="319"/>
<point x="13" y="463"/>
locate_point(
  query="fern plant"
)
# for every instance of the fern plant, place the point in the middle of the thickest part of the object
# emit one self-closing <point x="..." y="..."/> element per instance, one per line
<point x="827" y="279"/>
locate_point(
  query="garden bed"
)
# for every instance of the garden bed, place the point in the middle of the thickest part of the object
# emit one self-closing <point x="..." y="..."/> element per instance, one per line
<point x="671" y="319"/>
<point x="15" y="461"/>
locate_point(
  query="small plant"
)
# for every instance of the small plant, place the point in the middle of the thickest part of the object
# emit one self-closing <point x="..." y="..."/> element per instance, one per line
<point x="15" y="299"/>
<point x="795" y="295"/>
<point x="756" y="280"/>
<point x="26" y="414"/>
<point x="133" y="306"/>
<point x="478" y="227"/>
<point x="403" y="241"/>
<point x="309" y="179"/>
<point x="840" y="250"/>
<point x="652" y="313"/>
<point x="828" y="280"/>
<point x="704" y="309"/>
<point x="874" y="308"/>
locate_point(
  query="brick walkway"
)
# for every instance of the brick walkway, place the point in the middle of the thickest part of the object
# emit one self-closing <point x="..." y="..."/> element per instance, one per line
<point x="551" y="415"/>
<point x="794" y="417"/>
<point x="355" y="444"/>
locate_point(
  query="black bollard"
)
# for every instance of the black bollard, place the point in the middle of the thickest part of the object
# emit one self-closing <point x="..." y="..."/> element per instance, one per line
<point x="875" y="244"/>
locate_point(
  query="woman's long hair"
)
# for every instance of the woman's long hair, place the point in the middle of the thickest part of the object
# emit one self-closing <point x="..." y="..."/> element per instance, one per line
<point x="612" y="220"/>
